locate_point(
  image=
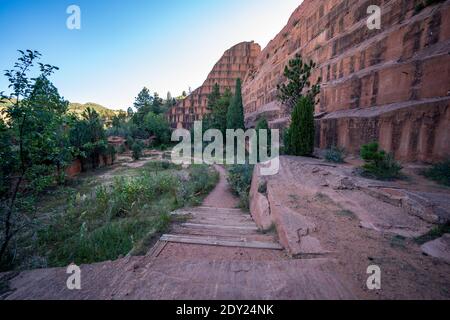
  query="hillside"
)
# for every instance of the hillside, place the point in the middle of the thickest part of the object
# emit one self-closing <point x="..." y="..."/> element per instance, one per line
<point x="79" y="108"/>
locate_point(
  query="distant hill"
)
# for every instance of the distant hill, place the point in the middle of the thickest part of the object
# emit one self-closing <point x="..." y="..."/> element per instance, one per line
<point x="79" y="108"/>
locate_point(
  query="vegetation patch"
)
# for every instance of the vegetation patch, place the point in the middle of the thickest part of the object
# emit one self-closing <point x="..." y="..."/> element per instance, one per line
<point x="434" y="234"/>
<point x="106" y="220"/>
<point x="240" y="179"/>
<point x="398" y="241"/>
<point x="299" y="95"/>
<point x="346" y="213"/>
<point x="425" y="3"/>
<point x="335" y="155"/>
<point x="440" y="173"/>
<point x="379" y="164"/>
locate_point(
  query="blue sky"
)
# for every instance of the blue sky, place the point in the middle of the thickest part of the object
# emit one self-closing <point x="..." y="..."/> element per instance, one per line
<point x="123" y="45"/>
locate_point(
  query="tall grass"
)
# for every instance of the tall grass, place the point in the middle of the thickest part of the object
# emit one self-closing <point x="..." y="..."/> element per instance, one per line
<point x="112" y="220"/>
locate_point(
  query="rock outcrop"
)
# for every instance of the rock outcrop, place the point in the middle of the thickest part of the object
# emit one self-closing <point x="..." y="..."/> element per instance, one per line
<point x="391" y="85"/>
<point x="234" y="64"/>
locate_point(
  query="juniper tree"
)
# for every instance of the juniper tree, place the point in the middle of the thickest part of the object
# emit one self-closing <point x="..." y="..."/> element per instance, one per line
<point x="235" y="114"/>
<point x="301" y="133"/>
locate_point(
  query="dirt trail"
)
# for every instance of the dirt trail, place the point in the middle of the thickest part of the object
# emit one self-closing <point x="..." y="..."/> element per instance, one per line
<point x="217" y="254"/>
<point x="221" y="196"/>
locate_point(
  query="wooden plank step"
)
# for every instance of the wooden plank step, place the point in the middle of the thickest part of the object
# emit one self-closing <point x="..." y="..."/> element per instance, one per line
<point x="223" y="234"/>
<point x="219" y="222"/>
<point x="218" y="216"/>
<point x="208" y="241"/>
<point x="211" y="211"/>
<point x="224" y="227"/>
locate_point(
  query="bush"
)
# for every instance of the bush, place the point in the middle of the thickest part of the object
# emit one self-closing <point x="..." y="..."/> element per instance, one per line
<point x="136" y="148"/>
<point x="440" y="173"/>
<point x="240" y="179"/>
<point x="122" y="149"/>
<point x="379" y="164"/>
<point x="335" y="155"/>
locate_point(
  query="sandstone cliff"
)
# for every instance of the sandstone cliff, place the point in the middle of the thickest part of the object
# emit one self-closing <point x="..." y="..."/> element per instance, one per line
<point x="234" y="64"/>
<point x="391" y="85"/>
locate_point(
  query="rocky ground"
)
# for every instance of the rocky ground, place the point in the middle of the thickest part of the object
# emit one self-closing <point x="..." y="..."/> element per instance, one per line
<point x="323" y="210"/>
<point x="325" y="227"/>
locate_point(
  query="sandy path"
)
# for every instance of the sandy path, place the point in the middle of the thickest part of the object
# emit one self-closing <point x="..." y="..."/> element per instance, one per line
<point x="221" y="196"/>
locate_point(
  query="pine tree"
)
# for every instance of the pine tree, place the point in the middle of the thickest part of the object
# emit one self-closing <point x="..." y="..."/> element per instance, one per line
<point x="235" y="115"/>
<point x="298" y="73"/>
<point x="301" y="132"/>
<point x="144" y="100"/>
<point x="213" y="97"/>
<point x="157" y="104"/>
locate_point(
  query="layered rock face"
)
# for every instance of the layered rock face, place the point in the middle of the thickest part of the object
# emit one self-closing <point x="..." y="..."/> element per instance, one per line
<point x="234" y="64"/>
<point x="390" y="85"/>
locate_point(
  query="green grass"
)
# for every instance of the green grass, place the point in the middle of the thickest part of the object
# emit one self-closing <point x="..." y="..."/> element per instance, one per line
<point x="346" y="213"/>
<point x="440" y="173"/>
<point x="122" y="216"/>
<point x="434" y="234"/>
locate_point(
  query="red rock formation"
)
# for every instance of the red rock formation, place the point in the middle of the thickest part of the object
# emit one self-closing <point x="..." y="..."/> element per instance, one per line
<point x="391" y="85"/>
<point x="234" y="64"/>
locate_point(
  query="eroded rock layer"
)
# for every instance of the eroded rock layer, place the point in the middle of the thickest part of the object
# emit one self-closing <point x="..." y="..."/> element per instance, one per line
<point x="234" y="64"/>
<point x="391" y="85"/>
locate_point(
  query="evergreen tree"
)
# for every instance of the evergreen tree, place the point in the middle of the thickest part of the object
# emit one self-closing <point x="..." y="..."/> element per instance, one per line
<point x="144" y="100"/>
<point x="235" y="115"/>
<point x="301" y="133"/>
<point x="220" y="110"/>
<point x="213" y="97"/>
<point x="157" y="104"/>
<point x="298" y="73"/>
<point x="143" y="105"/>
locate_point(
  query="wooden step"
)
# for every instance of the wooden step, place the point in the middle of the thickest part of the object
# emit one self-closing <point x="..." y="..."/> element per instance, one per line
<point x="223" y="234"/>
<point x="210" y="241"/>
<point x="223" y="222"/>
<point x="223" y="227"/>
<point x="211" y="211"/>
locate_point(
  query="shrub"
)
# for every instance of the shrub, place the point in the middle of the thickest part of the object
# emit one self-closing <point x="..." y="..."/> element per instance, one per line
<point x="440" y="173"/>
<point x="240" y="179"/>
<point x="301" y="133"/>
<point x="122" y="149"/>
<point x="379" y="164"/>
<point x="335" y="155"/>
<point x="136" y="148"/>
